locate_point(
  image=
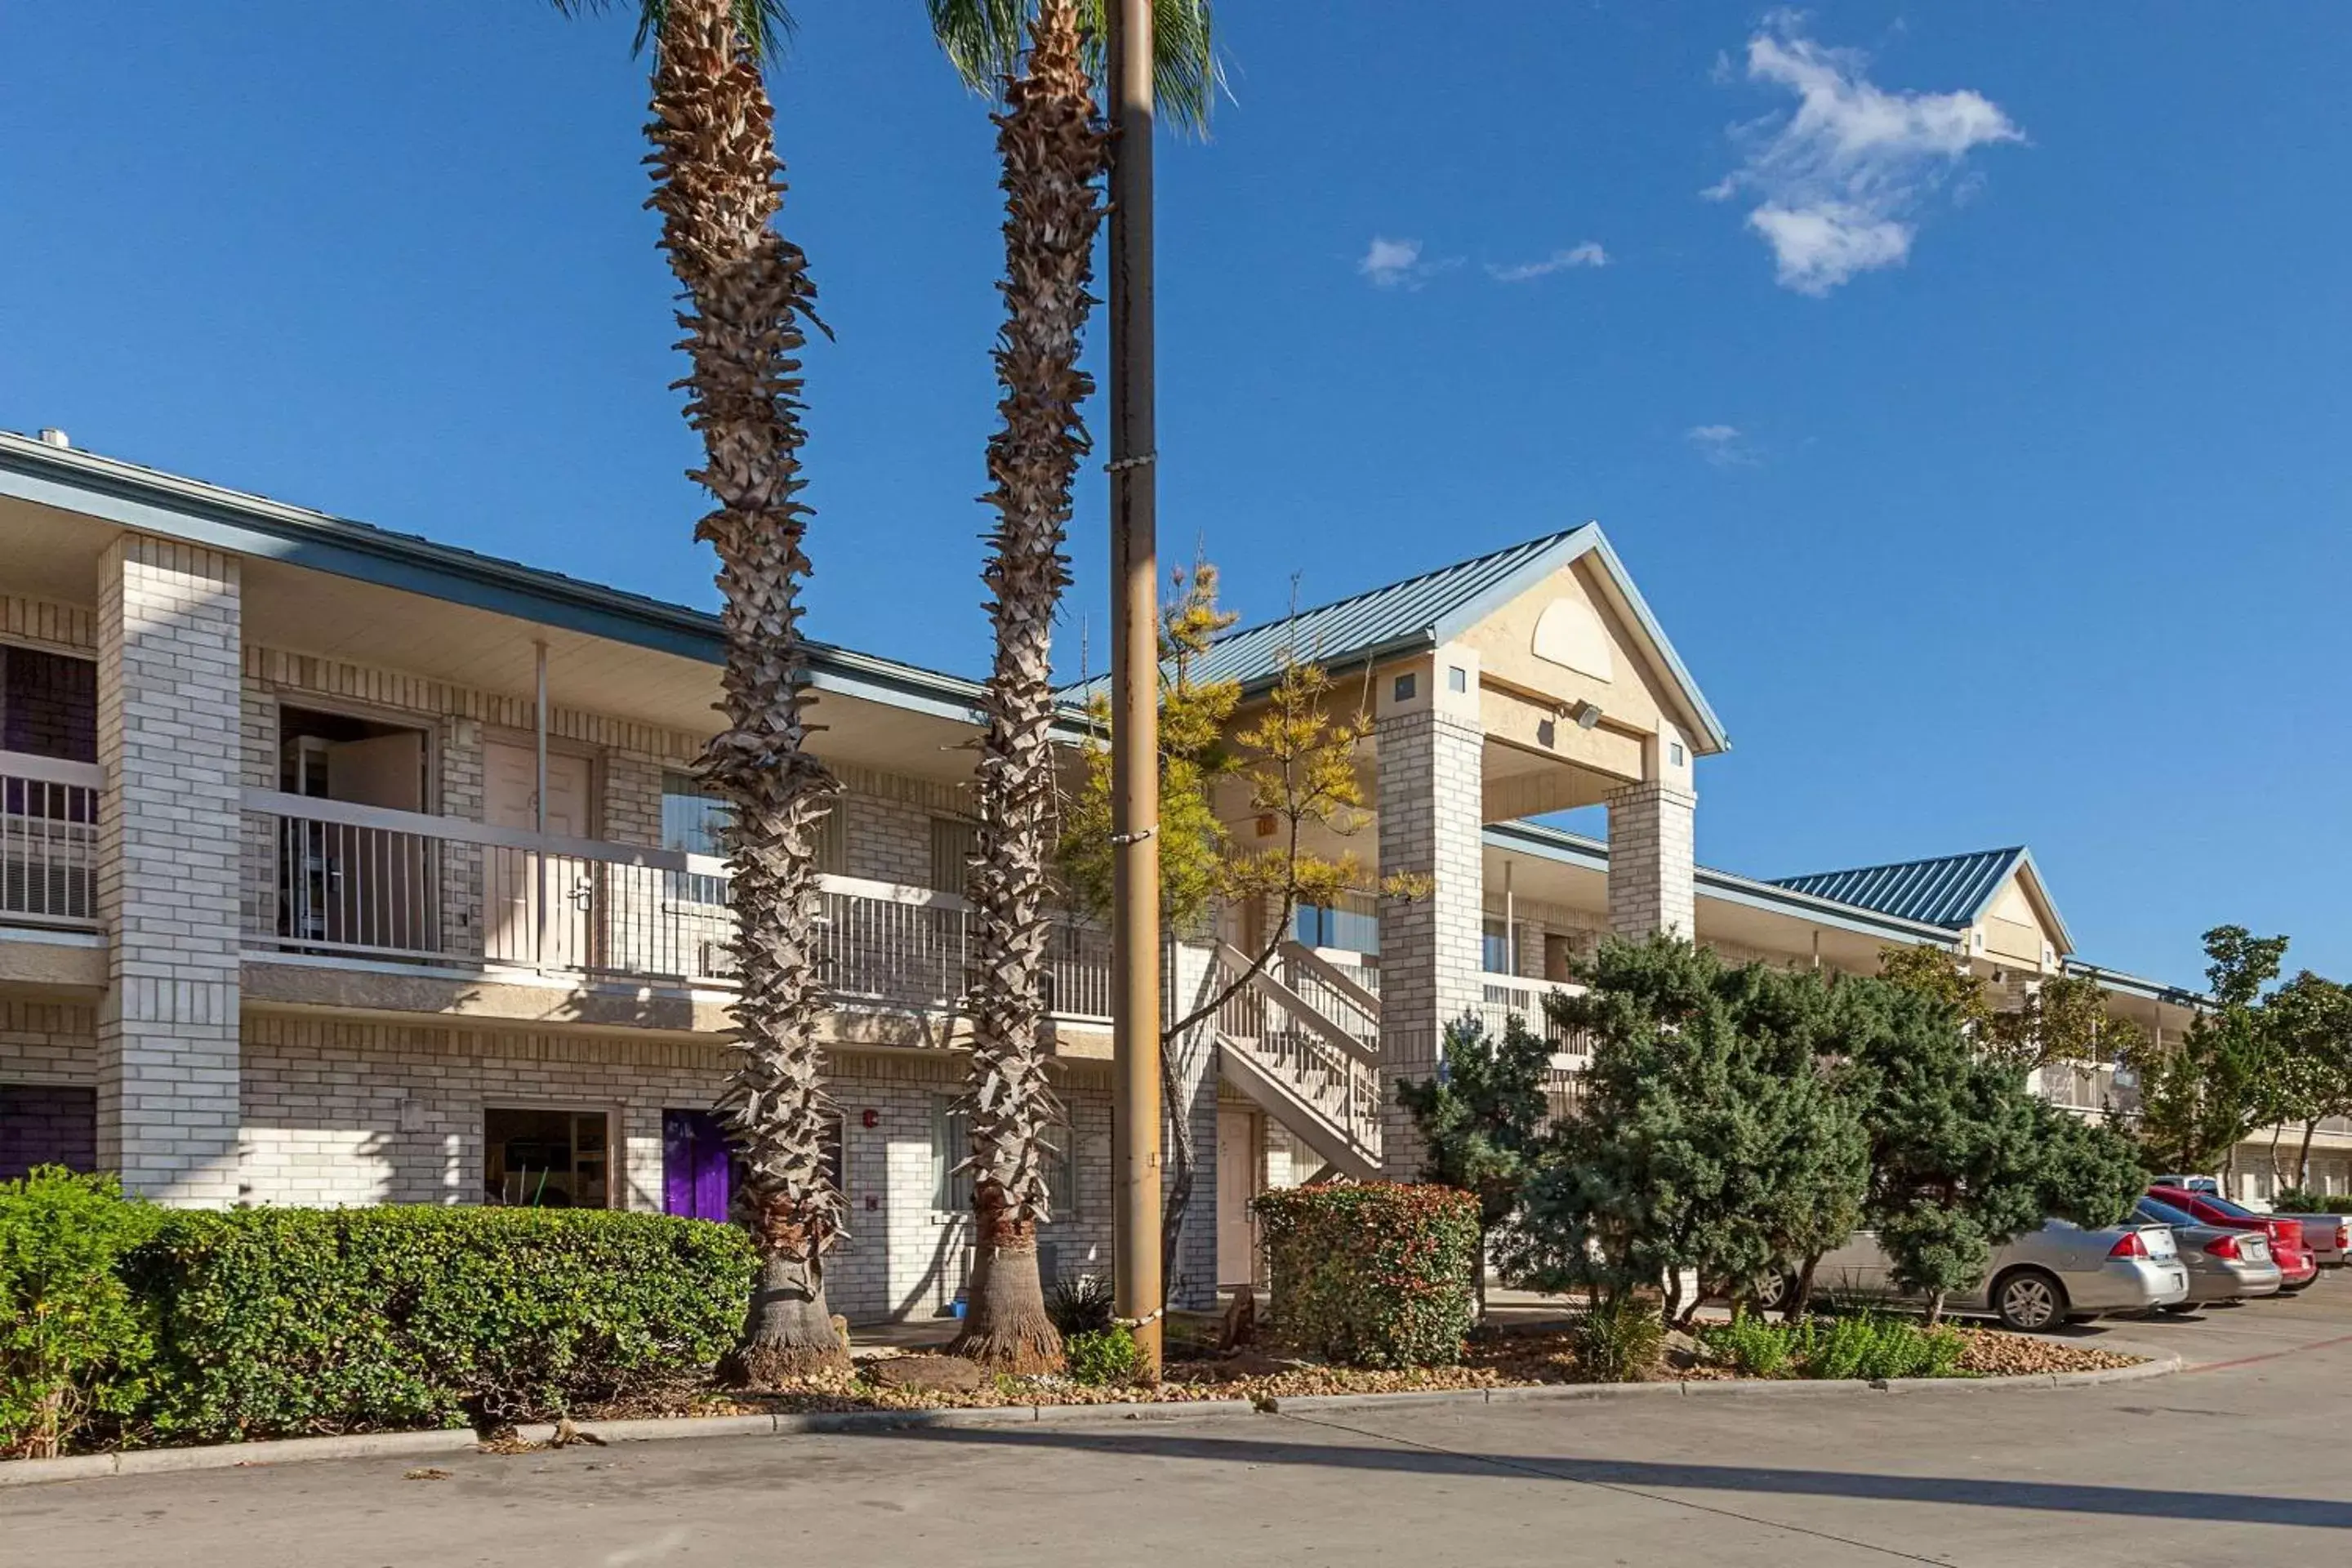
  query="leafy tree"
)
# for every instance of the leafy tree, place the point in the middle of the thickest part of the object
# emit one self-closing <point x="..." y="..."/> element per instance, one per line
<point x="2063" y="1020"/>
<point x="1963" y="1156"/>
<point x="2201" y="1099"/>
<point x="1706" y="1138"/>
<point x="1292" y="763"/>
<point x="2308" y="1021"/>
<point x="1942" y="975"/>
<point x="1482" y="1119"/>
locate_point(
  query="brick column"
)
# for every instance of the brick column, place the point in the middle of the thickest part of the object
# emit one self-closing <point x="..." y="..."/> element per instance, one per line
<point x="1431" y="764"/>
<point x="169" y="736"/>
<point x="1649" y="860"/>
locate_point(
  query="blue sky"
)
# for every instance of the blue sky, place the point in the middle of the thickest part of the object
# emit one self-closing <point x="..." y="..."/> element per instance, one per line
<point x="1993" y="480"/>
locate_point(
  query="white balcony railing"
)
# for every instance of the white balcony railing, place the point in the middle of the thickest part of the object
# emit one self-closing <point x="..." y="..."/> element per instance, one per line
<point x="1503" y="995"/>
<point x="331" y="878"/>
<point x="48" y="841"/>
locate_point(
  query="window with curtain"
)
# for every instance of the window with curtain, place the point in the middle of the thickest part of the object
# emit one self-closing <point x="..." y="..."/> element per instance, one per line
<point x="953" y="843"/>
<point x="951" y="1146"/>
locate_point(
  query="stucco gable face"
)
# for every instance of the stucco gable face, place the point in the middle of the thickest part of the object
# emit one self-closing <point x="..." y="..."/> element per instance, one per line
<point x="1563" y="642"/>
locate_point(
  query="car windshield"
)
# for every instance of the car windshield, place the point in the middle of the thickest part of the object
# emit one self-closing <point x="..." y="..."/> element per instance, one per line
<point x="2164" y="1213"/>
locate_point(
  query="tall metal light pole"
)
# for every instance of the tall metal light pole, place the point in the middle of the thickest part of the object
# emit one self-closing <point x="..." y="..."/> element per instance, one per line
<point x="1135" y="690"/>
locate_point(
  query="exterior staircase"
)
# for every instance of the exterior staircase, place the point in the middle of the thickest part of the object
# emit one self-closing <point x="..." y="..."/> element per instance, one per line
<point x="1302" y="1039"/>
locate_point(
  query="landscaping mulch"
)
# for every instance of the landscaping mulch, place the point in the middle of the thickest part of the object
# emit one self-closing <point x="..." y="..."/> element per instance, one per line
<point x="1516" y="1359"/>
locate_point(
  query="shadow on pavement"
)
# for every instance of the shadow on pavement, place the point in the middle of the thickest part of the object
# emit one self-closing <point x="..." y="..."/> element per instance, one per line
<point x="1978" y="1491"/>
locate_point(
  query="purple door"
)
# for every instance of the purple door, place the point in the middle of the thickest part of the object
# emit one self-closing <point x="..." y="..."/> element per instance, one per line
<point x="696" y="1178"/>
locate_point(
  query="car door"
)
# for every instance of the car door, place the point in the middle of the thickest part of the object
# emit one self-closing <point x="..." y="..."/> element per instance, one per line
<point x="1859" y="1269"/>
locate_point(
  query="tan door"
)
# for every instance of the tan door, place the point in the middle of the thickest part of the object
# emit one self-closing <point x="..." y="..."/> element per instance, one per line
<point x="512" y="878"/>
<point x="386" y="889"/>
<point x="1236" y="1185"/>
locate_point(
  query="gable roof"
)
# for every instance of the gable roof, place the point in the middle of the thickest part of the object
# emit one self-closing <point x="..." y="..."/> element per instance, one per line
<point x="1437" y="606"/>
<point x="1950" y="890"/>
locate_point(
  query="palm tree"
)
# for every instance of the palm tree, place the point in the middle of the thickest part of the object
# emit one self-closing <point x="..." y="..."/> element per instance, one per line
<point x="1054" y="147"/>
<point x="717" y="185"/>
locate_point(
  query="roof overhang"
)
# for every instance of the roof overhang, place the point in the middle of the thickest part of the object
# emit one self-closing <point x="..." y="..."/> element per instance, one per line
<point x="151" y="501"/>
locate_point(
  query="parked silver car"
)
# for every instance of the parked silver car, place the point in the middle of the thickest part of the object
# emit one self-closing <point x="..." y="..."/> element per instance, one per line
<point x="2041" y="1278"/>
<point x="2224" y="1265"/>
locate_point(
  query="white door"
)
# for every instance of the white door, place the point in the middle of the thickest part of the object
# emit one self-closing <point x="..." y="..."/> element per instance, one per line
<point x="513" y="878"/>
<point x="387" y="881"/>
<point x="1236" y="1185"/>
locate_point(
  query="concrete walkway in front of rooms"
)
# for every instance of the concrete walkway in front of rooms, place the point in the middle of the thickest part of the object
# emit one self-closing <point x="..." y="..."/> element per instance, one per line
<point x="2236" y="1461"/>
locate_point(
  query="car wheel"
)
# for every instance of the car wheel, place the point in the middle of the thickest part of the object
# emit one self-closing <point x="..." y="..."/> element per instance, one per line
<point x="1772" y="1292"/>
<point x="2029" y="1300"/>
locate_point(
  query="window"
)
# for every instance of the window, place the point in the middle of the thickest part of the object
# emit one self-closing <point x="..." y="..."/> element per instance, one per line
<point x="954" y="842"/>
<point x="547" y="1159"/>
<point x="1405" y="687"/>
<point x="694" y="818"/>
<point x="1456" y="679"/>
<point x="48" y="705"/>
<point x="1495" y="947"/>
<point x="950" y="1147"/>
<point x="1354" y="927"/>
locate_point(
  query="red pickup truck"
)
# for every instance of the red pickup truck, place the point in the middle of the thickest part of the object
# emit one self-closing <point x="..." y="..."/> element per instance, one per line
<point x="2297" y="1268"/>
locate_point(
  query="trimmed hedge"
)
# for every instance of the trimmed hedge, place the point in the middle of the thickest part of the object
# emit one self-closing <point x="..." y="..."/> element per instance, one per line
<point x="277" y="1322"/>
<point x="121" y="1323"/>
<point x="1376" y="1275"/>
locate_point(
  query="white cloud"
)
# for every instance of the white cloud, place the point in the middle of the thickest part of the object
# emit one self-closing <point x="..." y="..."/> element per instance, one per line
<point x="1723" y="445"/>
<point x="1838" y="180"/>
<point x="1588" y="254"/>
<point x="1397" y="264"/>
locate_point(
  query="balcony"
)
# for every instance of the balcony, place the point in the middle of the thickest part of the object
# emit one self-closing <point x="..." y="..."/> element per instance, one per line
<point x="48" y="842"/>
<point x="367" y="885"/>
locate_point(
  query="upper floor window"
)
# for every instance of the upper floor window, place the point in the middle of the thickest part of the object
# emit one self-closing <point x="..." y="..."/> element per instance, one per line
<point x="1347" y="928"/>
<point x="695" y="816"/>
<point x="1494" y="943"/>
<point x="48" y="705"/>
<point x="954" y="842"/>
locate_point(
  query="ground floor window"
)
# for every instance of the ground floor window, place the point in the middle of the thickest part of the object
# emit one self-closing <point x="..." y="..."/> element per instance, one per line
<point x="46" y="1124"/>
<point x="548" y="1159"/>
<point x="952" y="1147"/>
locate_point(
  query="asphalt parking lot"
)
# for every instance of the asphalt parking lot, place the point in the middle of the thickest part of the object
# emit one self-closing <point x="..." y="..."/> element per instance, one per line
<point x="2237" y="1461"/>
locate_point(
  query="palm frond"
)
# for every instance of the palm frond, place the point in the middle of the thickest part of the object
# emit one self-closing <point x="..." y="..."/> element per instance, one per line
<point x="983" y="40"/>
<point x="768" y="24"/>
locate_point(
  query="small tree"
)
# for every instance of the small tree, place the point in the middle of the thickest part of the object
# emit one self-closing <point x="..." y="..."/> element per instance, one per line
<point x="1482" y="1120"/>
<point x="2308" y="1021"/>
<point x="2063" y="1020"/>
<point x="1705" y="1130"/>
<point x="1963" y="1156"/>
<point x="2199" y="1099"/>
<point x="1294" y="763"/>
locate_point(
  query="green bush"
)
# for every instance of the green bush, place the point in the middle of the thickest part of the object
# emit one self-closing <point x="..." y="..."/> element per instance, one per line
<point x="74" y="1343"/>
<point x="1374" y="1275"/>
<point x="1752" y="1347"/>
<point x="1871" y="1346"/>
<point x="284" y="1321"/>
<point x="1102" y="1357"/>
<point x="1619" y="1342"/>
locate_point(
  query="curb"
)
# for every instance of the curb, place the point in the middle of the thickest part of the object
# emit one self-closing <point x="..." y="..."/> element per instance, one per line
<point x="395" y="1444"/>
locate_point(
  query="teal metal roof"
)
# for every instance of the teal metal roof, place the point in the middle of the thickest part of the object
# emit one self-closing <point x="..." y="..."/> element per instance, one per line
<point x="1435" y="607"/>
<point x="177" y="507"/>
<point x="1950" y="890"/>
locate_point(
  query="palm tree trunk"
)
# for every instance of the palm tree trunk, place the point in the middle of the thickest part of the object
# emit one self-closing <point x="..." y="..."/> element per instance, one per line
<point x="1052" y="149"/>
<point x="717" y="185"/>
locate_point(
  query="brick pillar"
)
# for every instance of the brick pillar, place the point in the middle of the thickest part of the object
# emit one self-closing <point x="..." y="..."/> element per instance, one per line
<point x="1431" y="763"/>
<point x="1649" y="860"/>
<point x="1191" y="1061"/>
<point x="170" y="738"/>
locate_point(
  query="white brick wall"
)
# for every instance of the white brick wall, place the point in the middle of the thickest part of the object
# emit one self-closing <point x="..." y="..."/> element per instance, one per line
<point x="350" y="1112"/>
<point x="1431" y="767"/>
<point x="47" y="1042"/>
<point x="170" y="858"/>
<point x="1651" y="850"/>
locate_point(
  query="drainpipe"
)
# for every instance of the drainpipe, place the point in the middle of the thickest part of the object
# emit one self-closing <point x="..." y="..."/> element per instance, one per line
<point x="1511" y="924"/>
<point x="538" y="799"/>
